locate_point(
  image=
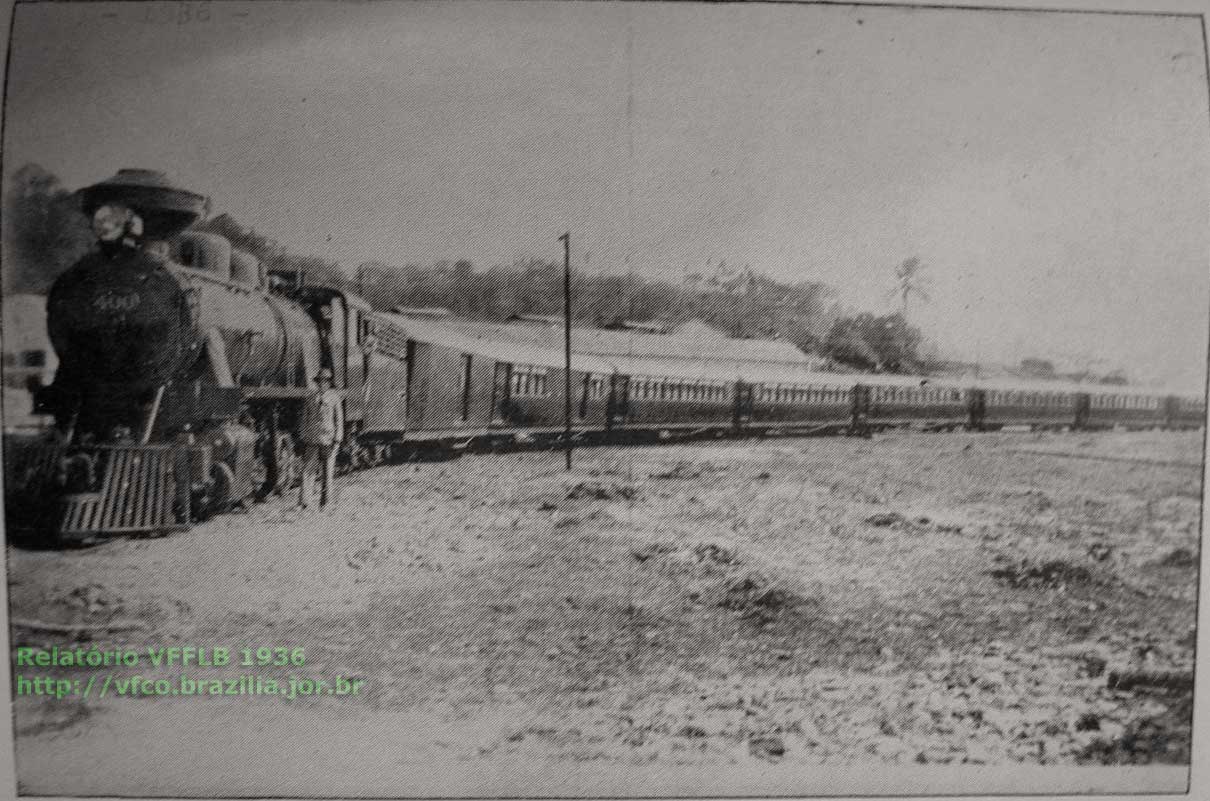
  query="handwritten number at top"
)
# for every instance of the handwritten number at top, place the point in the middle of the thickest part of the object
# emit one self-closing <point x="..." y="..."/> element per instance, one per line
<point x="176" y="13"/>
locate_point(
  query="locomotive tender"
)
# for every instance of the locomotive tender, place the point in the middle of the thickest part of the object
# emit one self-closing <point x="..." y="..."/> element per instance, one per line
<point x="183" y="367"/>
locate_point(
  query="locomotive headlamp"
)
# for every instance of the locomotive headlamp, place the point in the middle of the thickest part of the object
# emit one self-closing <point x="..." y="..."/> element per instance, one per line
<point x="109" y="222"/>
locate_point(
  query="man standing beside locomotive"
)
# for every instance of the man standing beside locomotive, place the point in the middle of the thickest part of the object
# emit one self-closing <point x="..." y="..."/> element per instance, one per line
<point x="322" y="432"/>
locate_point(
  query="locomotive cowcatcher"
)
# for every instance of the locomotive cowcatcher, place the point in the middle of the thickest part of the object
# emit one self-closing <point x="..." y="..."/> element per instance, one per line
<point x="183" y="366"/>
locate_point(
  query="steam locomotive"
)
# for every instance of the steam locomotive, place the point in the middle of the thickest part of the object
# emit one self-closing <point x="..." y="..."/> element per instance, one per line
<point x="183" y="366"/>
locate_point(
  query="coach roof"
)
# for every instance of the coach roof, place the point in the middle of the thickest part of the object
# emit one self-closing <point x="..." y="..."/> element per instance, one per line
<point x="499" y="348"/>
<point x="696" y="343"/>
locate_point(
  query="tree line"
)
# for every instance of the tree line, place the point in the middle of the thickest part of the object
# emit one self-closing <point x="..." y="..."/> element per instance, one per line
<point x="45" y="232"/>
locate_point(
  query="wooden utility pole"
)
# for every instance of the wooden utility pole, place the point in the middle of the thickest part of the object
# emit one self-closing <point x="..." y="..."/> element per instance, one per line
<point x="567" y="346"/>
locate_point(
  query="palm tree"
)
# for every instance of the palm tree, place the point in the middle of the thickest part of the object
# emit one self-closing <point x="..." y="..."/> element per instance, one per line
<point x="910" y="280"/>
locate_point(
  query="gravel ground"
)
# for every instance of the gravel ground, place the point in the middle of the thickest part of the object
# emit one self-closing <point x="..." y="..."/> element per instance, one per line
<point x="905" y="601"/>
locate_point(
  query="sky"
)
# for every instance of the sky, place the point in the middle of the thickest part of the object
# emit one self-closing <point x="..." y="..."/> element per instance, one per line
<point x="1050" y="169"/>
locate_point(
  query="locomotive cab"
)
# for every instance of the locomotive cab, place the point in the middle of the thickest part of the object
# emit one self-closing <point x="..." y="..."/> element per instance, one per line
<point x="342" y="320"/>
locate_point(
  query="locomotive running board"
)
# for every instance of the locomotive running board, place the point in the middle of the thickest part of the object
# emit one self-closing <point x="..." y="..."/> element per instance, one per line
<point x="140" y="494"/>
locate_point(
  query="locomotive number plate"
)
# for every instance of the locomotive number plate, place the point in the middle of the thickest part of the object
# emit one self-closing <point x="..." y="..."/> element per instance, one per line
<point x="117" y="302"/>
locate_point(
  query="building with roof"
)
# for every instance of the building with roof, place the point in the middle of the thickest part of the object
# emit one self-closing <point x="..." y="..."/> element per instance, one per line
<point x="693" y="347"/>
<point x="28" y="356"/>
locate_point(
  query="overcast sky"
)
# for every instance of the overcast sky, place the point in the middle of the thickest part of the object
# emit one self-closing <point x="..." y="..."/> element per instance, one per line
<point x="1050" y="169"/>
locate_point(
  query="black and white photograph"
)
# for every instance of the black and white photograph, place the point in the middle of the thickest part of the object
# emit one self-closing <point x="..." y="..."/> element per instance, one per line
<point x="543" y="399"/>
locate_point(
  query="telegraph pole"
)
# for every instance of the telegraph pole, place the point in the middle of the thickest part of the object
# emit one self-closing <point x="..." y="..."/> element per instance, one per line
<point x="567" y="346"/>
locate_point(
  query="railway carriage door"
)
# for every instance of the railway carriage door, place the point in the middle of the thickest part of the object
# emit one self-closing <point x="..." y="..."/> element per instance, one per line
<point x="585" y="389"/>
<point x="465" y="381"/>
<point x="859" y="408"/>
<point x="502" y="387"/>
<point x="976" y="407"/>
<point x="368" y="343"/>
<point x="744" y="403"/>
<point x="1083" y="408"/>
<point x="384" y="392"/>
<point x="618" y="406"/>
<point x="1172" y="408"/>
<point x="409" y="390"/>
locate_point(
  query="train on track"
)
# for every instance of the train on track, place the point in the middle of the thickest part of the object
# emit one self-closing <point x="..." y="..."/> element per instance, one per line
<point x="184" y="364"/>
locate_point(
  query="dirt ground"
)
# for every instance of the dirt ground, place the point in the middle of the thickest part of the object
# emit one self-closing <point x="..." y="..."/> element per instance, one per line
<point x="716" y="616"/>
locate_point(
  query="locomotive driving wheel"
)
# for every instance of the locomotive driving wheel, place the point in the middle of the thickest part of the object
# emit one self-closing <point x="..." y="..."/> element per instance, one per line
<point x="278" y="466"/>
<point x="216" y="497"/>
<point x="288" y="467"/>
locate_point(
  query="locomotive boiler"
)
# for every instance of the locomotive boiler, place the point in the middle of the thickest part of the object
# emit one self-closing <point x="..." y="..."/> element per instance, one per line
<point x="151" y="347"/>
<point x="182" y="366"/>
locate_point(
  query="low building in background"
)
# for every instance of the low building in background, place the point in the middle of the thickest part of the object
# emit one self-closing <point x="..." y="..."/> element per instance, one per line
<point x="29" y="360"/>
